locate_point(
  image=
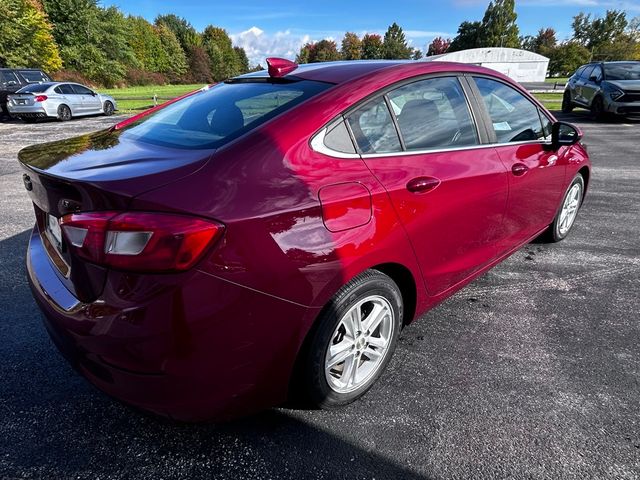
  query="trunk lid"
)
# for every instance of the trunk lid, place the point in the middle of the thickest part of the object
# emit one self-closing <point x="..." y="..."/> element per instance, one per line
<point x="94" y="172"/>
<point x="22" y="99"/>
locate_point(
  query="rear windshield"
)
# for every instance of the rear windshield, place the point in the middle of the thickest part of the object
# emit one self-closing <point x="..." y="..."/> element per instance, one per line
<point x="622" y="71"/>
<point x="213" y="117"/>
<point x="35" y="88"/>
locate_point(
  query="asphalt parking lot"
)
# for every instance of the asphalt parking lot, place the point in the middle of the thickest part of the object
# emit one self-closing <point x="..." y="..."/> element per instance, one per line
<point x="532" y="371"/>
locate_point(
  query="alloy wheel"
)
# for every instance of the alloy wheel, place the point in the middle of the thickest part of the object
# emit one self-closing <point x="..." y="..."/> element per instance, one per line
<point x="359" y="344"/>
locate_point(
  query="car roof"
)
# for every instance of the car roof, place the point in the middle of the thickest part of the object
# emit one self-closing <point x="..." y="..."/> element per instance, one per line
<point x="344" y="71"/>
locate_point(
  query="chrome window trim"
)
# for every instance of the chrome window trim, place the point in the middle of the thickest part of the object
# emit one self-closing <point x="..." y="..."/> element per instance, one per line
<point x="317" y="143"/>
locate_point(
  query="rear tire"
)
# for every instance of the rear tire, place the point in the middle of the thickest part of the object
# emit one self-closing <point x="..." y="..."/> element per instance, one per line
<point x="566" y="216"/>
<point x="567" y="106"/>
<point x="64" y="113"/>
<point x="108" y="108"/>
<point x="352" y="342"/>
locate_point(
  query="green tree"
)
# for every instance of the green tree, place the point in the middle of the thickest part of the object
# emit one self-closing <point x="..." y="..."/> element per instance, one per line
<point x="499" y="27"/>
<point x="395" y="43"/>
<point x="174" y="65"/>
<point x="564" y="59"/>
<point x="611" y="37"/>
<point x="93" y="41"/>
<point x="304" y="54"/>
<point x="183" y="30"/>
<point x="217" y="44"/>
<point x="416" y="54"/>
<point x="146" y="45"/>
<point x="351" y="47"/>
<point x="325" y="51"/>
<point x="470" y="35"/>
<point x="241" y="60"/>
<point x="372" y="47"/>
<point x="26" y="38"/>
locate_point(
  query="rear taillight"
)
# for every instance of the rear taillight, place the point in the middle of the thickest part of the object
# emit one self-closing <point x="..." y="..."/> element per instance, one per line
<point x="140" y="241"/>
<point x="40" y="98"/>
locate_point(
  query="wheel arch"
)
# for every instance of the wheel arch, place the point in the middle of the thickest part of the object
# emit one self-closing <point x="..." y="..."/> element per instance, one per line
<point x="586" y="175"/>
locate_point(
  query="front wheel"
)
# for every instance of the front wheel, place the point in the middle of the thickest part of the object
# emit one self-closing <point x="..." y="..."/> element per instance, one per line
<point x="567" y="106"/>
<point x="108" y="108"/>
<point x="597" y="109"/>
<point x="354" y="340"/>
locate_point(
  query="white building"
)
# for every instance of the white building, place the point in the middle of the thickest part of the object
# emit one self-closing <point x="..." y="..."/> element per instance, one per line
<point x="521" y="65"/>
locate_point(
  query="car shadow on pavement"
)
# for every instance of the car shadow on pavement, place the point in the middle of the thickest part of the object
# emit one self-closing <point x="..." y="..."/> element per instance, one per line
<point x="53" y="424"/>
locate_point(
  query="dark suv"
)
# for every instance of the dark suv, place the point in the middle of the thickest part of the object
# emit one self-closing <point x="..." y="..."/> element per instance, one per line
<point x="13" y="79"/>
<point x="604" y="88"/>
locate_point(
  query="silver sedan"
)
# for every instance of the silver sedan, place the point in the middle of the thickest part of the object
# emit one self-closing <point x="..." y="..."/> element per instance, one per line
<point x="61" y="100"/>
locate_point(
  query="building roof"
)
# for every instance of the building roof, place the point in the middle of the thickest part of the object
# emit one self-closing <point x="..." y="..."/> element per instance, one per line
<point x="489" y="55"/>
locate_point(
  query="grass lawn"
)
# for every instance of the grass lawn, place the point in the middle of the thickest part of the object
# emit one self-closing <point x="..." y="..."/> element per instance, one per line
<point x="164" y="92"/>
<point x="556" y="79"/>
<point x="553" y="101"/>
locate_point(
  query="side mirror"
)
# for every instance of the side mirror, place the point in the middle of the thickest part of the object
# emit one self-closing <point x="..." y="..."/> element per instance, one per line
<point x="564" y="135"/>
<point x="11" y="83"/>
<point x="93" y="93"/>
<point x="594" y="78"/>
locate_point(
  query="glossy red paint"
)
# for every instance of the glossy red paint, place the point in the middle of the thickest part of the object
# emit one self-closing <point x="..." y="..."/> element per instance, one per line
<point x="222" y="338"/>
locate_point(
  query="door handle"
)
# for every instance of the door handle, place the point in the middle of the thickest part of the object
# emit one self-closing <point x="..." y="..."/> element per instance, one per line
<point x="422" y="184"/>
<point x="519" y="169"/>
<point x="551" y="160"/>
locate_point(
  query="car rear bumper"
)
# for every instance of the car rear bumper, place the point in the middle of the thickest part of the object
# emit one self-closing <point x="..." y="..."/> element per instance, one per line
<point x="189" y="346"/>
<point x="29" y="111"/>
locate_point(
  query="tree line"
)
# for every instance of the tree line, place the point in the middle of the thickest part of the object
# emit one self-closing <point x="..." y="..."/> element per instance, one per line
<point x="612" y="37"/>
<point x="82" y="41"/>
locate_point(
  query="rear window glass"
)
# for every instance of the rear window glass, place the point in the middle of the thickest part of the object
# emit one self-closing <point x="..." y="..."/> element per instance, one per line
<point x="34" y="76"/>
<point x="211" y="118"/>
<point x="35" y="88"/>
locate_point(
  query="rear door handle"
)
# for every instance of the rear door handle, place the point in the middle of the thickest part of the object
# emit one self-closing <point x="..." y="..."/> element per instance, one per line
<point x="519" y="169"/>
<point x="422" y="184"/>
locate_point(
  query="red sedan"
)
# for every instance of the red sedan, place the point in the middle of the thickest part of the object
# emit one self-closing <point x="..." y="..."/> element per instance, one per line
<point x="274" y="233"/>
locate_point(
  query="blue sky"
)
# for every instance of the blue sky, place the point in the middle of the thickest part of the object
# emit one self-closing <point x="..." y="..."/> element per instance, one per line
<point x="279" y="28"/>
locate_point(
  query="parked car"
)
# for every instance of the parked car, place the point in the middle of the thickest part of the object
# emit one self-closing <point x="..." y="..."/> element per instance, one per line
<point x="13" y="79"/>
<point x="273" y="234"/>
<point x="605" y="88"/>
<point x="61" y="100"/>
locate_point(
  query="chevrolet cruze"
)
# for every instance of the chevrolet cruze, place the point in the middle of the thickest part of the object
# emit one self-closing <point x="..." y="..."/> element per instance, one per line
<point x="273" y="234"/>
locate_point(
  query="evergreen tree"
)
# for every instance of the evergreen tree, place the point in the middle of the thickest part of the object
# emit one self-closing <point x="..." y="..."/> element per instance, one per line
<point x="183" y="30"/>
<point x="372" y="47"/>
<point x="395" y="43"/>
<point x="499" y="28"/>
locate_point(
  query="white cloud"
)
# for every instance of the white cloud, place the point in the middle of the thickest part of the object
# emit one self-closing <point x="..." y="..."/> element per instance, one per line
<point x="260" y="44"/>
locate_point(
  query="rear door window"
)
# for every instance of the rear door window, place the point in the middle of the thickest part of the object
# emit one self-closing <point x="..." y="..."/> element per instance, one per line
<point x="80" y="90"/>
<point x="373" y="128"/>
<point x="34" y="76"/>
<point x="433" y="113"/>
<point x="211" y="118"/>
<point x="513" y="116"/>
